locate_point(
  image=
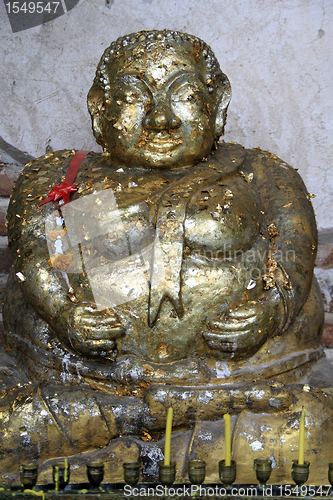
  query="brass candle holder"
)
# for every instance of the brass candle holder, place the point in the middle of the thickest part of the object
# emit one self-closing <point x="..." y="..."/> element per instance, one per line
<point x="28" y="475"/>
<point x="95" y="473"/>
<point x="196" y="471"/>
<point x="131" y="472"/>
<point x="227" y="473"/>
<point x="263" y="469"/>
<point x="60" y="474"/>
<point x="167" y="473"/>
<point x="300" y="472"/>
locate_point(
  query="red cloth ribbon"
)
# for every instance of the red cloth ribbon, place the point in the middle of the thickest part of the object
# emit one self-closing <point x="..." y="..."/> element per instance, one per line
<point x="66" y="187"/>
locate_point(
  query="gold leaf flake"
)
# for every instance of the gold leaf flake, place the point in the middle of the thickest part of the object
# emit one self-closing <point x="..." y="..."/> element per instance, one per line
<point x="66" y="154"/>
<point x="272" y="230"/>
<point x="146" y="436"/>
<point x="194" y="134"/>
<point x="118" y="125"/>
<point x="72" y="297"/>
<point x="49" y="155"/>
<point x="269" y="276"/>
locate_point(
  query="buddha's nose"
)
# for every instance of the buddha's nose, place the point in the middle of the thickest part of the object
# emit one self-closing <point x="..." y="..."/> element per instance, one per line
<point x="161" y="118"/>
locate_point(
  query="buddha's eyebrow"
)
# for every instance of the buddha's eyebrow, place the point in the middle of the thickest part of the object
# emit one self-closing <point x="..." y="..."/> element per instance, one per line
<point x="180" y="80"/>
<point x="198" y="79"/>
<point x="139" y="80"/>
<point x="133" y="79"/>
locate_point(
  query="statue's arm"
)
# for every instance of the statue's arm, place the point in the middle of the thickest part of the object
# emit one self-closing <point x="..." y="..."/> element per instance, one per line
<point x="291" y="226"/>
<point x="78" y="325"/>
<point x="44" y="288"/>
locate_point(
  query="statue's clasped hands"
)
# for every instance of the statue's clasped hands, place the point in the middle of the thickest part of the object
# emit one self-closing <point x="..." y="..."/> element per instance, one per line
<point x="236" y="329"/>
<point x="94" y="332"/>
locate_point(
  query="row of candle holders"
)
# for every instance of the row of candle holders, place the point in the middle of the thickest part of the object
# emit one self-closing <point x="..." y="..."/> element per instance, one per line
<point x="167" y="473"/>
<point x="61" y="474"/>
<point x="227" y="473"/>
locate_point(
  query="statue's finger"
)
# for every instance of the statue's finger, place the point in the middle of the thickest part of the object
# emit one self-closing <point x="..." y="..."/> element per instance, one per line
<point x="232" y="325"/>
<point x="222" y="337"/>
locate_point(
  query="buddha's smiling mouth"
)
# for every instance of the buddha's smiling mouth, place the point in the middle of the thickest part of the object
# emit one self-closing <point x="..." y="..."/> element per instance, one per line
<point x="162" y="142"/>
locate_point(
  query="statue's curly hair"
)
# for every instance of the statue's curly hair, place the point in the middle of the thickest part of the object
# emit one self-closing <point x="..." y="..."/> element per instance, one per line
<point x="213" y="76"/>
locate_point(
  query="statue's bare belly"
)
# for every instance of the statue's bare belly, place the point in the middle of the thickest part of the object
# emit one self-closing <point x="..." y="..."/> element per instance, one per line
<point x="224" y="246"/>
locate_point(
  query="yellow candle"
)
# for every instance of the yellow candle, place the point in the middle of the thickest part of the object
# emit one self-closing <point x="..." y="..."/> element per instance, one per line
<point x="301" y="438"/>
<point x="66" y="469"/>
<point x="168" y="430"/>
<point x="227" y="437"/>
<point x="56" y="478"/>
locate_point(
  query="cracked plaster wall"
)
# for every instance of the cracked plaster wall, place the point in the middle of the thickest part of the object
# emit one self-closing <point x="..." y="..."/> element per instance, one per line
<point x="277" y="54"/>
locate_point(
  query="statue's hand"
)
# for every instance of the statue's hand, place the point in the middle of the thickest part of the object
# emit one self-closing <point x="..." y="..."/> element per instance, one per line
<point x="243" y="329"/>
<point x="93" y="332"/>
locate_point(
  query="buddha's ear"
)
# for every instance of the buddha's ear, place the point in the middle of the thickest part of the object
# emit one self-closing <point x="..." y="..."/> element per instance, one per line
<point x="223" y="96"/>
<point x="95" y="101"/>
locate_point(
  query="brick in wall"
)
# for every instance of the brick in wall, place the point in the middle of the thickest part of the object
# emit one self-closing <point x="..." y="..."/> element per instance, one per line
<point x="9" y="172"/>
<point x="3" y="210"/>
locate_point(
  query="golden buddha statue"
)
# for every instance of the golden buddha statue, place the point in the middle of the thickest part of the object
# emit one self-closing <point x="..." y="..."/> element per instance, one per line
<point x="176" y="270"/>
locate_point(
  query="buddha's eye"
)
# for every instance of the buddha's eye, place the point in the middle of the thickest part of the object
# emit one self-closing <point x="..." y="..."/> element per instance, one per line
<point x="129" y="97"/>
<point x="132" y="98"/>
<point x="187" y="95"/>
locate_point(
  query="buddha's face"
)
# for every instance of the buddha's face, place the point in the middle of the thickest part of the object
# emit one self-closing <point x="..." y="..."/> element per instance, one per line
<point x="161" y="114"/>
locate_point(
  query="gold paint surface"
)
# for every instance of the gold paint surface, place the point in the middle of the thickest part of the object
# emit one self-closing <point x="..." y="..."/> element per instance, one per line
<point x="180" y="274"/>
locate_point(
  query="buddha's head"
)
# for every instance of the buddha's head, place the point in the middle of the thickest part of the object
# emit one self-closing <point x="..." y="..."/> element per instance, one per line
<point x="159" y="100"/>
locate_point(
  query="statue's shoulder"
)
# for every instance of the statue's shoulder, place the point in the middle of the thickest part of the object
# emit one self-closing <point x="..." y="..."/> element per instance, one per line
<point x="32" y="186"/>
<point x="263" y="157"/>
<point x="237" y="154"/>
<point x="231" y="150"/>
<point x="269" y="166"/>
<point x="40" y="175"/>
<point x="228" y="157"/>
